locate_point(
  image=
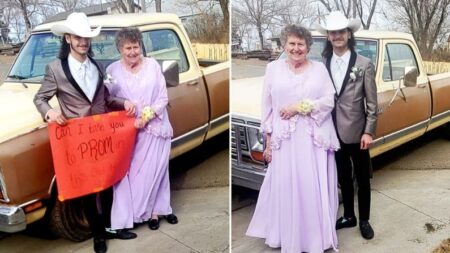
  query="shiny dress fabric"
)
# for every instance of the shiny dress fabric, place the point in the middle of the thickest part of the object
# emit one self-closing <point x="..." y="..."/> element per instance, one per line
<point x="145" y="189"/>
<point x="298" y="200"/>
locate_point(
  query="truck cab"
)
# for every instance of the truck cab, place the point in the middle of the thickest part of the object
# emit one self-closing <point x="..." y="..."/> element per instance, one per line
<point x="198" y="110"/>
<point x="406" y="110"/>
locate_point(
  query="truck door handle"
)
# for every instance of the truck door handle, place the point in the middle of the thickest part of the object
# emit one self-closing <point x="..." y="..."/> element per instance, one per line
<point x="422" y="85"/>
<point x="192" y="83"/>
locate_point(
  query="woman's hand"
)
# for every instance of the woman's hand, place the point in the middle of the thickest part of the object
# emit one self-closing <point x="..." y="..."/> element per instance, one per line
<point x="129" y="107"/>
<point x="139" y="123"/>
<point x="267" y="154"/>
<point x="288" y="111"/>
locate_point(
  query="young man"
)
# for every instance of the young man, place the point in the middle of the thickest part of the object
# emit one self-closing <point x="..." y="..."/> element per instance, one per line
<point x="77" y="81"/>
<point x="354" y="116"/>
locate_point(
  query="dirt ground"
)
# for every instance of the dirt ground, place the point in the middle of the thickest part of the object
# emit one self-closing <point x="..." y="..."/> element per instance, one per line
<point x="7" y="59"/>
<point x="5" y="64"/>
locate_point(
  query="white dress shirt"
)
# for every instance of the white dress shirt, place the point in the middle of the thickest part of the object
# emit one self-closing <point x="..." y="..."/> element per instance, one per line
<point x="85" y="74"/>
<point x="338" y="66"/>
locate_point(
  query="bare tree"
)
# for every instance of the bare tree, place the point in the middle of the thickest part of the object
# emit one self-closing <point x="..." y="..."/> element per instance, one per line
<point x="15" y="21"/>
<point x="207" y="28"/>
<point x="125" y="6"/>
<point x="211" y="19"/>
<point x="143" y="7"/>
<point x="338" y="5"/>
<point x="158" y="5"/>
<point x="239" y="30"/>
<point x="425" y="20"/>
<point x="300" y="12"/>
<point x="363" y="9"/>
<point x="207" y="6"/>
<point x="27" y="9"/>
<point x="366" y="18"/>
<point x="226" y="14"/>
<point x="66" y="5"/>
<point x="260" y="13"/>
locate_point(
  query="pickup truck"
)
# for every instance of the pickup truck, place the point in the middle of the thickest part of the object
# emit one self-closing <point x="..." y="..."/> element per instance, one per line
<point x="198" y="110"/>
<point x="410" y="102"/>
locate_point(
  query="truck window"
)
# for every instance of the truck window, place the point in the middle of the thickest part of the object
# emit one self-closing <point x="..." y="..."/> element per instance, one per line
<point x="368" y="49"/>
<point x="364" y="47"/>
<point x="165" y="45"/>
<point x="42" y="48"/>
<point x="396" y="58"/>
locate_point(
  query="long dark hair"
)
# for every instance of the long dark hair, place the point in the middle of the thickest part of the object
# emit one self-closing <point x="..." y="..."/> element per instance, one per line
<point x="328" y="50"/>
<point x="65" y="49"/>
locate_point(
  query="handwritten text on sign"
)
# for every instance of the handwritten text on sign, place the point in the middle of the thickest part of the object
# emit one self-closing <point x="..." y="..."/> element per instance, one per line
<point x="91" y="153"/>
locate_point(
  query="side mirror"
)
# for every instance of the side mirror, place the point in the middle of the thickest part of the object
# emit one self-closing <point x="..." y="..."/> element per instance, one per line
<point x="170" y="72"/>
<point x="410" y="78"/>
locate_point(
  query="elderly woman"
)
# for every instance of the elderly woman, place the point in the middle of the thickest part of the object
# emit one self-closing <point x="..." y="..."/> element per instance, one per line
<point x="298" y="201"/>
<point x="144" y="193"/>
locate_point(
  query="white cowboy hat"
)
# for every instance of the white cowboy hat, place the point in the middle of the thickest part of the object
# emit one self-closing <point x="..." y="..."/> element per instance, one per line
<point x="76" y="23"/>
<point x="337" y="21"/>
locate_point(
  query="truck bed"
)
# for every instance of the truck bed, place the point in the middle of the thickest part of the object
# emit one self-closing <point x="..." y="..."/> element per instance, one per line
<point x="440" y="92"/>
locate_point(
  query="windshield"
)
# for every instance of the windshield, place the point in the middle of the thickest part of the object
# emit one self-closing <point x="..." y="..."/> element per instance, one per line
<point x="364" y="47"/>
<point x="43" y="48"/>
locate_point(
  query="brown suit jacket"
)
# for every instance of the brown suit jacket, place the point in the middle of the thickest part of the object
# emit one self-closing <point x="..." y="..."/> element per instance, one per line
<point x="73" y="102"/>
<point x="355" y="111"/>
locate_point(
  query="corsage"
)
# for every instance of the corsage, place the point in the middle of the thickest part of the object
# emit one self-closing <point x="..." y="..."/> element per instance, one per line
<point x="147" y="114"/>
<point x="305" y="106"/>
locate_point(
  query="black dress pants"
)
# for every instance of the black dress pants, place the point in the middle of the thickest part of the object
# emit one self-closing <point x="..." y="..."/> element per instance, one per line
<point x="98" y="216"/>
<point x="348" y="155"/>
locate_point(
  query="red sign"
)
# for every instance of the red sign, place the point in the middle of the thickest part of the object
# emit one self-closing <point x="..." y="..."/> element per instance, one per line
<point x="91" y="153"/>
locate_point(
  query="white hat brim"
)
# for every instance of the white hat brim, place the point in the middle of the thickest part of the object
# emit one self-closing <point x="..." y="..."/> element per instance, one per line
<point x="61" y="29"/>
<point x="353" y="25"/>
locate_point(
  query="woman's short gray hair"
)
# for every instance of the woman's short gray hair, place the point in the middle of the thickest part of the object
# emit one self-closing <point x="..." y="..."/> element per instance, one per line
<point x="128" y="34"/>
<point x="297" y="31"/>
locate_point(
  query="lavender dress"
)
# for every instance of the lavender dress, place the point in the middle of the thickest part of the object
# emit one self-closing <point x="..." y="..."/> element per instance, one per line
<point x="298" y="200"/>
<point x="145" y="189"/>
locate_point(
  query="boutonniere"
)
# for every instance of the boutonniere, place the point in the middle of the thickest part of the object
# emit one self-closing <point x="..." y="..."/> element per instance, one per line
<point x="109" y="79"/>
<point x="356" y="72"/>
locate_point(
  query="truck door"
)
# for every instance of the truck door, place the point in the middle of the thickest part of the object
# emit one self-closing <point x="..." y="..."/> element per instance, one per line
<point x="188" y="103"/>
<point x="403" y="112"/>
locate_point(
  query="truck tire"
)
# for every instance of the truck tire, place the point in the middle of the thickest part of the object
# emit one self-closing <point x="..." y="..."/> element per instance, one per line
<point x="446" y="131"/>
<point x="67" y="220"/>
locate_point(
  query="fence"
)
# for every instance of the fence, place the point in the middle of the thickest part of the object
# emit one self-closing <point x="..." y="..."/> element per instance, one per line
<point x="436" y="67"/>
<point x="216" y="52"/>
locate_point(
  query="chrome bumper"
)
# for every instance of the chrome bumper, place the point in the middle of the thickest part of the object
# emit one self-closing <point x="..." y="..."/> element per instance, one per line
<point x="12" y="219"/>
<point x="245" y="172"/>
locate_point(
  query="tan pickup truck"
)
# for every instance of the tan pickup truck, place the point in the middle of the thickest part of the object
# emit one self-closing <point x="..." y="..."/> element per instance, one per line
<point x="198" y="110"/>
<point x="410" y="102"/>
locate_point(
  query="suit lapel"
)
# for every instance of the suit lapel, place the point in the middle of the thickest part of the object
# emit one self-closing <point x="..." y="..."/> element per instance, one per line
<point x="66" y="69"/>
<point x="347" y="74"/>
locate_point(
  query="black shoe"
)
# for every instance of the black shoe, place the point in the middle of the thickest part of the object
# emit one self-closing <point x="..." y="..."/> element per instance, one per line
<point x="122" y="234"/>
<point x="172" y="219"/>
<point x="153" y="224"/>
<point x="100" y="245"/>
<point x="345" y="222"/>
<point x="366" y="230"/>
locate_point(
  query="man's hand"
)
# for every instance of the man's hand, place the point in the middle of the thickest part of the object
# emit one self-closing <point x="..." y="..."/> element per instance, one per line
<point x="54" y="116"/>
<point x="366" y="140"/>
<point x="129" y="107"/>
<point x="288" y="111"/>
